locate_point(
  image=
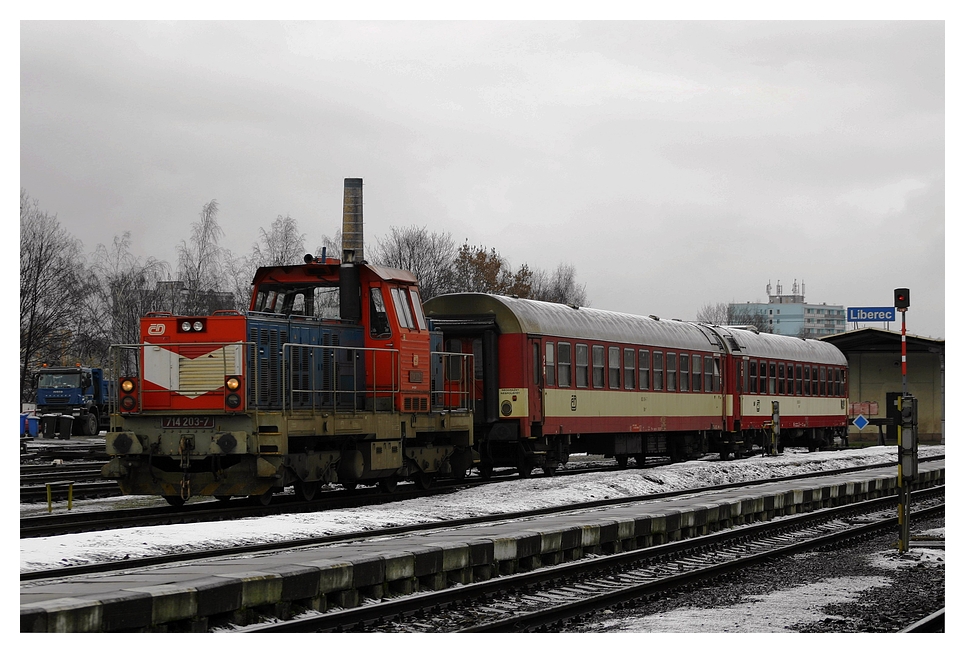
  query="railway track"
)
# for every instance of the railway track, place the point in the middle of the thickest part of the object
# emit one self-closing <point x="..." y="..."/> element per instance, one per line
<point x="543" y="599"/>
<point x="62" y="524"/>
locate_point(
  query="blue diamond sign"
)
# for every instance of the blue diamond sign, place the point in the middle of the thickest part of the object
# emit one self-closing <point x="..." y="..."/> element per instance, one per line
<point x="860" y="421"/>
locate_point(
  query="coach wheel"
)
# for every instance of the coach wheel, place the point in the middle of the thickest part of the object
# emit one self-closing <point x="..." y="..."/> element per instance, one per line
<point x="177" y="502"/>
<point x="223" y="499"/>
<point x="486" y="471"/>
<point x="350" y="487"/>
<point x="306" y="490"/>
<point x="622" y="460"/>
<point x="423" y="481"/>
<point x="549" y="471"/>
<point x="640" y="461"/>
<point x="525" y="471"/>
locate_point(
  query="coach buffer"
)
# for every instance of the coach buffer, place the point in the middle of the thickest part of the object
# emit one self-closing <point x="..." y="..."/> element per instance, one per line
<point x="333" y="376"/>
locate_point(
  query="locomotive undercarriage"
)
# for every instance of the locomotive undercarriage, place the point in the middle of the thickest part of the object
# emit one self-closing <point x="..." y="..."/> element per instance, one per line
<point x="304" y="451"/>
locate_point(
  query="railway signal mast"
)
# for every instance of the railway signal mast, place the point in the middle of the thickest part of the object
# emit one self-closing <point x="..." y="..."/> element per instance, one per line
<point x="907" y="431"/>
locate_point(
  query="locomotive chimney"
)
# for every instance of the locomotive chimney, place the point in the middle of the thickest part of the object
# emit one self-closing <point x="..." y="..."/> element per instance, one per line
<point x="349" y="291"/>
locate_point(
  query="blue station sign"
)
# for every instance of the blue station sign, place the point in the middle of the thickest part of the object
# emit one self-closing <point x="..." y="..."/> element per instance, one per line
<point x="865" y="314"/>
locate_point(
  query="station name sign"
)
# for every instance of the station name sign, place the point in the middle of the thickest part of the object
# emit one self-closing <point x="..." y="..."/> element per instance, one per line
<point x="878" y="314"/>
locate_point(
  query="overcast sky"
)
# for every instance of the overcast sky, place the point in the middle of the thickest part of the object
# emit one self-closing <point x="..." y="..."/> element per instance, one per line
<point x="674" y="164"/>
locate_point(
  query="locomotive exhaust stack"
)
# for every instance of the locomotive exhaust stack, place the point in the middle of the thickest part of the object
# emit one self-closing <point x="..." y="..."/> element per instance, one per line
<point x="349" y="282"/>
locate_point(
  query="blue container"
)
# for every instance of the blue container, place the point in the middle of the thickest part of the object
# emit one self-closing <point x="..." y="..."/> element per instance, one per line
<point x="23" y="423"/>
<point x="33" y="426"/>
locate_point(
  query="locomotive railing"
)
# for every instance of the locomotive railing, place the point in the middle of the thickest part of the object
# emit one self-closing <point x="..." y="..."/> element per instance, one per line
<point x="336" y="378"/>
<point x="458" y="391"/>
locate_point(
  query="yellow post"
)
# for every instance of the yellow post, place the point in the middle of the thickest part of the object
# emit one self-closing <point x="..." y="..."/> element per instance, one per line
<point x="70" y="495"/>
<point x="50" y="503"/>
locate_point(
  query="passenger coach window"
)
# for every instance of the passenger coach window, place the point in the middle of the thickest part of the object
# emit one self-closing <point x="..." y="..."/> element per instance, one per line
<point x="613" y="360"/>
<point x="823" y="382"/>
<point x="550" y="365"/>
<point x="597" y="366"/>
<point x="564" y="364"/>
<point x="798" y="377"/>
<point x="629" y="368"/>
<point x="762" y="378"/>
<point x="582" y="365"/>
<point x="780" y="378"/>
<point x="644" y="369"/>
<point x="671" y="371"/>
<point x="658" y="370"/>
<point x="684" y="373"/>
<point x="807" y="380"/>
<point x="752" y="386"/>
<point x="537" y="365"/>
<point x="772" y="378"/>
<point x="711" y="374"/>
<point x="697" y="373"/>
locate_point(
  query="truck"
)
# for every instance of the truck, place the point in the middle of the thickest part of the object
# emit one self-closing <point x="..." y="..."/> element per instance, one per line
<point x="79" y="392"/>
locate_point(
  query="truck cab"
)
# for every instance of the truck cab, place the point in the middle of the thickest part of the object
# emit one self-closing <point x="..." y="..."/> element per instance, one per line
<point x="80" y="392"/>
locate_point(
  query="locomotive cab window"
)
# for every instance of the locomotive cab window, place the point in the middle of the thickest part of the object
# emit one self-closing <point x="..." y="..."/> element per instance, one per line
<point x="402" y="310"/>
<point x="379" y="318"/>
<point x="420" y="317"/>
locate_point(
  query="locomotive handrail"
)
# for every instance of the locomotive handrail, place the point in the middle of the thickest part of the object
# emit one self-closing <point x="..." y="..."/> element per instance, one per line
<point x="335" y="391"/>
<point x="466" y="388"/>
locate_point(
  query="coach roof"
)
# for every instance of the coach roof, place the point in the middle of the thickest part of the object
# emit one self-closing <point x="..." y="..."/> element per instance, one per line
<point x="513" y="315"/>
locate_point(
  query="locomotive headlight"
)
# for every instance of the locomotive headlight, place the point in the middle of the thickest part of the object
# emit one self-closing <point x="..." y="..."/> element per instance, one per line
<point x="127" y="385"/>
<point x="185" y="326"/>
<point x="232" y="383"/>
<point x="198" y="326"/>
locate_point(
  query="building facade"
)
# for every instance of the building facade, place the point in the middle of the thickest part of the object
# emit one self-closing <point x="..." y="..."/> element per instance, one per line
<point x="790" y="315"/>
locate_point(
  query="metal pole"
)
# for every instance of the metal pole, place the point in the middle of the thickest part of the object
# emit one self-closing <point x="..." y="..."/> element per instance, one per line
<point x="904" y="358"/>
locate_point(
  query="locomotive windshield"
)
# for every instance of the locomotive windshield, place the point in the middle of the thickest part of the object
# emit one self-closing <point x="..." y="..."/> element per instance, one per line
<point x="311" y="301"/>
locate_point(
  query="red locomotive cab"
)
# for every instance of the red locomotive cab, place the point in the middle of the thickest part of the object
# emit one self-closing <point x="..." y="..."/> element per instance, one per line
<point x="397" y="338"/>
<point x="192" y="363"/>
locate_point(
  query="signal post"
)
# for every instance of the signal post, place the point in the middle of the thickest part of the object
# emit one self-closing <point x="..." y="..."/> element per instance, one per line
<point x="907" y="432"/>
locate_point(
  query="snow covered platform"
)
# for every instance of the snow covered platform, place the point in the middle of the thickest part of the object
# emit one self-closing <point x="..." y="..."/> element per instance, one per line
<point x="187" y="597"/>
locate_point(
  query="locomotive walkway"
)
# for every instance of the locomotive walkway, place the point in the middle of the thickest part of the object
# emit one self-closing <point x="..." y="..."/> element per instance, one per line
<point x="192" y="597"/>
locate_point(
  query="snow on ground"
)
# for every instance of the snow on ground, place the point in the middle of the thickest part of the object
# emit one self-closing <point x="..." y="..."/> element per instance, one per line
<point x="520" y="494"/>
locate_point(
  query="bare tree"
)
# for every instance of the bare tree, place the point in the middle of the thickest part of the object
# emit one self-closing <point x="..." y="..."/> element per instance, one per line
<point x="51" y="283"/>
<point x="733" y="315"/>
<point x="199" y="266"/>
<point x="714" y="314"/>
<point x="283" y="244"/>
<point x="559" y="286"/>
<point x="125" y="289"/>
<point x="427" y="255"/>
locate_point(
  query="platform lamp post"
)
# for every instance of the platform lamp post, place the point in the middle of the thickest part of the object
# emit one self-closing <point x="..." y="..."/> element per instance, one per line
<point x="907" y="432"/>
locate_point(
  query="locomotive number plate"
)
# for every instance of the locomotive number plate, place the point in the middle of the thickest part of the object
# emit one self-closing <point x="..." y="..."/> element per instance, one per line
<point x="187" y="422"/>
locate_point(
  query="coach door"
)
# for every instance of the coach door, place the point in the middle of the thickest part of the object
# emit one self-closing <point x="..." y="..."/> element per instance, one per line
<point x="538" y="382"/>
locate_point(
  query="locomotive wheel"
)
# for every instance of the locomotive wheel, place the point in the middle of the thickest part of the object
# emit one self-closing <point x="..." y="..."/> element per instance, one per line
<point x="423" y="481"/>
<point x="388" y="485"/>
<point x="264" y="499"/>
<point x="177" y="502"/>
<point x="306" y="490"/>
